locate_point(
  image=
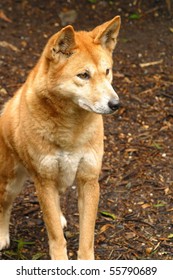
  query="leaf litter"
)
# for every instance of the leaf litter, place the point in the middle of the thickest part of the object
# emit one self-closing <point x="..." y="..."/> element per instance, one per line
<point x="135" y="212"/>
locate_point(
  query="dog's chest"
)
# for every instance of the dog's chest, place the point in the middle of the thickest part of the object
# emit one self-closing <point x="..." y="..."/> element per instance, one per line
<point x="61" y="165"/>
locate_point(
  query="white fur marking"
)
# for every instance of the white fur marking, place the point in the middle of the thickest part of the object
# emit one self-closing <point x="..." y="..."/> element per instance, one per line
<point x="64" y="164"/>
<point x="63" y="221"/>
<point x="4" y="234"/>
<point x="13" y="188"/>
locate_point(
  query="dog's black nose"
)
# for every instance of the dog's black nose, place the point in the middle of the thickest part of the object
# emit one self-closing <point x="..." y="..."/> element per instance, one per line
<point x="113" y="104"/>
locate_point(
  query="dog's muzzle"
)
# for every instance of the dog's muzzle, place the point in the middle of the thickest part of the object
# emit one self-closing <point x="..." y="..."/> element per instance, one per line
<point x="113" y="104"/>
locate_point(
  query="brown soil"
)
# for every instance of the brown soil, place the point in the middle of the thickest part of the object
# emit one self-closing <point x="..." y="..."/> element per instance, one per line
<point x="135" y="217"/>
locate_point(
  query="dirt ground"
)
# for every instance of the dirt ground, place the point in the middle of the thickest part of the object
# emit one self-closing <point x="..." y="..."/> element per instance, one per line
<point x="135" y="217"/>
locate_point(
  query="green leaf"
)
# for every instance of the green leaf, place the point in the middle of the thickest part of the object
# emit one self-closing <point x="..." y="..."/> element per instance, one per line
<point x="157" y="146"/>
<point x="107" y="214"/>
<point x="125" y="40"/>
<point x="22" y="242"/>
<point x="159" y="205"/>
<point x="134" y="16"/>
<point x="37" y="256"/>
<point x="10" y="253"/>
<point x="170" y="235"/>
<point x="92" y="1"/>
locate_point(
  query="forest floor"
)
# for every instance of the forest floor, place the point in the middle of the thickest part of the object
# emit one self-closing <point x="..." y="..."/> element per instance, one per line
<point x="135" y="216"/>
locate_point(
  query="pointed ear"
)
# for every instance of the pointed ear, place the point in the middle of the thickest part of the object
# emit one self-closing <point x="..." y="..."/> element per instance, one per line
<point x="107" y="33"/>
<point x="64" y="42"/>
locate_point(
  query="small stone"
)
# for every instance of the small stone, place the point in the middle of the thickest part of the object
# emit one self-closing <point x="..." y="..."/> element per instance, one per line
<point x="68" y="17"/>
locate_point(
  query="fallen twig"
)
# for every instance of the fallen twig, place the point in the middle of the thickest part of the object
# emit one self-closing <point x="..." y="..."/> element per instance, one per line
<point x="30" y="211"/>
<point x="151" y="63"/>
<point x="138" y="221"/>
<point x="5" y="44"/>
<point x="168" y="3"/>
<point x="167" y="95"/>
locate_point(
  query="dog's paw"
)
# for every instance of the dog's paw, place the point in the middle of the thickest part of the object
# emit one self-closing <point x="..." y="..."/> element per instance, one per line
<point x="63" y="221"/>
<point x="4" y="242"/>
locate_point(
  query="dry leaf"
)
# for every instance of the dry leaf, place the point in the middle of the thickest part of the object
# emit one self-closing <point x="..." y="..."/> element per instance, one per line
<point x="105" y="227"/>
<point x="149" y="250"/>
<point x="145" y="205"/>
<point x="167" y="191"/>
<point x="127" y="80"/>
<point x="130" y="235"/>
<point x="4" y="17"/>
<point x="118" y="75"/>
<point x="131" y="150"/>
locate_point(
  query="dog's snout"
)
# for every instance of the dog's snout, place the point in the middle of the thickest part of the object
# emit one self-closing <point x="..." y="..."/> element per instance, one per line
<point x="113" y="104"/>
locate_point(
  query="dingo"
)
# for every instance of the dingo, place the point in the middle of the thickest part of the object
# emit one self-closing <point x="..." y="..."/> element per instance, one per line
<point x="52" y="129"/>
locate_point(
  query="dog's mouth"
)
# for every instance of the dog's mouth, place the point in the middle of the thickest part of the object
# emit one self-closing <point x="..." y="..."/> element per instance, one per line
<point x="95" y="108"/>
<point x="85" y="106"/>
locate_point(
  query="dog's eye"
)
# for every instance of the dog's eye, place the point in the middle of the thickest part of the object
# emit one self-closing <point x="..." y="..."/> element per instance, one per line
<point x="107" y="71"/>
<point x="84" y="76"/>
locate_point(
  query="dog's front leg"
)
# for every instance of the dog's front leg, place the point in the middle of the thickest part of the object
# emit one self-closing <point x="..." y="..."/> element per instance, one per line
<point x="49" y="201"/>
<point x="88" y="196"/>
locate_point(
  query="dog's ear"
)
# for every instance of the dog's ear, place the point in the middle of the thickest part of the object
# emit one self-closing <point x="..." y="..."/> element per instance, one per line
<point x="64" y="42"/>
<point x="107" y="33"/>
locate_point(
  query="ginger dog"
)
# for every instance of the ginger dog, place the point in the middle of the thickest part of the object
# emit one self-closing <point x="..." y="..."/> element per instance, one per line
<point x="52" y="129"/>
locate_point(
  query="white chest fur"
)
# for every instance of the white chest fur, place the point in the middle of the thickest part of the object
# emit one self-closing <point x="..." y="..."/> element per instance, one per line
<point x="62" y="166"/>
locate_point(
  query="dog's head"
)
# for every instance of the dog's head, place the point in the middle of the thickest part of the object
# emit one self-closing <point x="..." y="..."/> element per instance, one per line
<point x="80" y="66"/>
